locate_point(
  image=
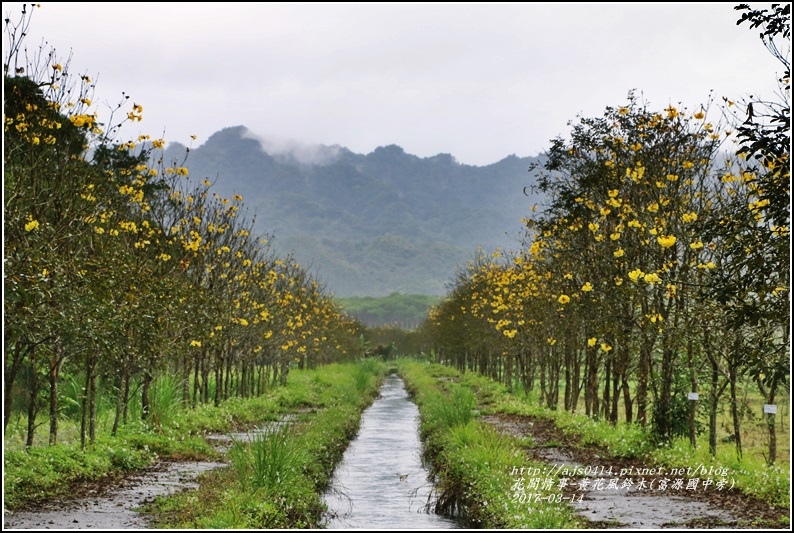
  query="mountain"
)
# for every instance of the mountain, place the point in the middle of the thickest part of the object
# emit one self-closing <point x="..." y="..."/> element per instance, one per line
<point x="368" y="224"/>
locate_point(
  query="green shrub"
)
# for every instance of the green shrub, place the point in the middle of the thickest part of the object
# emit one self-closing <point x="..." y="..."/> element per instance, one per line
<point x="270" y="460"/>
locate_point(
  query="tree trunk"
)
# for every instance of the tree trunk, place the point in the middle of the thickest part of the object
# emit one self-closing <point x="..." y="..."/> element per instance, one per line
<point x="693" y="387"/>
<point x="218" y="381"/>
<point x="10" y="372"/>
<point x="713" y="405"/>
<point x="55" y="374"/>
<point x="126" y="397"/>
<point x="33" y="407"/>
<point x="642" y="385"/>
<point x="185" y="380"/>
<point x="119" y="405"/>
<point x="195" y="383"/>
<point x="769" y="397"/>
<point x="283" y="373"/>
<point x="735" y="410"/>
<point x="145" y="399"/>
<point x="607" y="383"/>
<point x="613" y="416"/>
<point x="92" y="403"/>
<point x="89" y="372"/>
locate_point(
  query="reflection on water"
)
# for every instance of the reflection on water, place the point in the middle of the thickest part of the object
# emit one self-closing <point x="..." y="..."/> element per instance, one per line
<point x="381" y="482"/>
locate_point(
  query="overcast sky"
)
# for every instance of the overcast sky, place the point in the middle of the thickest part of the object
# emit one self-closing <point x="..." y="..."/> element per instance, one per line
<point x="477" y="81"/>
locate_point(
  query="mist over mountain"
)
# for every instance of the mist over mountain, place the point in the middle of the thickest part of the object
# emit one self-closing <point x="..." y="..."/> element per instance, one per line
<point x="368" y="224"/>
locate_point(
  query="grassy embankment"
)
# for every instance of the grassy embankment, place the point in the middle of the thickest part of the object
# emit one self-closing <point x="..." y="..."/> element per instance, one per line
<point x="474" y="463"/>
<point x="751" y="473"/>
<point x="274" y="482"/>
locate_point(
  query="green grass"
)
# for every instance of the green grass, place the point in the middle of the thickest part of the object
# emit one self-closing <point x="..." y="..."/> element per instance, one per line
<point x="447" y="410"/>
<point x="271" y="459"/>
<point x="277" y="481"/>
<point x="43" y="472"/>
<point x="474" y="465"/>
<point x="750" y="473"/>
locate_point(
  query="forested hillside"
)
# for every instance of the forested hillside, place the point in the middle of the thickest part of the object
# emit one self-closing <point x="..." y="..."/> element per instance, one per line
<point x="373" y="224"/>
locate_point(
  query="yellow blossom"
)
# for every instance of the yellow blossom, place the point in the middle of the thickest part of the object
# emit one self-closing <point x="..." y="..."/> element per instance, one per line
<point x="605" y="347"/>
<point x="195" y="343"/>
<point x="587" y="287"/>
<point x="696" y="245"/>
<point x="32" y="225"/>
<point x="563" y="299"/>
<point x="636" y="274"/>
<point x="592" y="341"/>
<point x="619" y="252"/>
<point x="671" y="289"/>
<point x="666" y="241"/>
<point x="652" y="278"/>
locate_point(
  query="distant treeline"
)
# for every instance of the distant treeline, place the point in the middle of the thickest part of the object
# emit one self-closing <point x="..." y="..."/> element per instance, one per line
<point x="406" y="311"/>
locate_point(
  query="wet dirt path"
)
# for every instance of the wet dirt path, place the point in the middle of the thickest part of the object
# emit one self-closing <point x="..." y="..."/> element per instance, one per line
<point x="114" y="508"/>
<point x="618" y="493"/>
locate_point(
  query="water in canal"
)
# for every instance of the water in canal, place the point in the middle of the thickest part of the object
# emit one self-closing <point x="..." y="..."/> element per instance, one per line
<point x="381" y="483"/>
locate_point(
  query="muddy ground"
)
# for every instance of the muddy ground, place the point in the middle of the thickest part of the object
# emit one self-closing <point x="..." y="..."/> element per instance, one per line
<point x="630" y="507"/>
<point x="110" y="504"/>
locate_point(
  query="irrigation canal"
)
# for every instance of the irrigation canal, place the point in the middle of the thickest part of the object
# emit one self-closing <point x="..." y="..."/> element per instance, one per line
<point x="381" y="482"/>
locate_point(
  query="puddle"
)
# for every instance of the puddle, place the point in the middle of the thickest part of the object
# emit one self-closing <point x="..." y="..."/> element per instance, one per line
<point x="641" y="511"/>
<point x="223" y="441"/>
<point x="116" y="510"/>
<point x="555" y="456"/>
